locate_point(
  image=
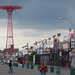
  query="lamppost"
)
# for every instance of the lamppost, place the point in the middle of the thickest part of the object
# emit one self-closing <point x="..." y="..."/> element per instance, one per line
<point x="42" y="44"/>
<point x="53" y="40"/>
<point x="58" y="34"/>
<point x="39" y="47"/>
<point x="70" y="29"/>
<point x="49" y="48"/>
<point x="45" y="43"/>
<point x="49" y="42"/>
<point x="70" y="45"/>
<point x="74" y="35"/>
<point x="23" y="47"/>
<point x="58" y="39"/>
<point x="36" y="45"/>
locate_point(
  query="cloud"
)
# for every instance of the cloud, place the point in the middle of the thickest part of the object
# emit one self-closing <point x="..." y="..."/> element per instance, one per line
<point x="40" y="14"/>
<point x="22" y="40"/>
<point x="24" y="36"/>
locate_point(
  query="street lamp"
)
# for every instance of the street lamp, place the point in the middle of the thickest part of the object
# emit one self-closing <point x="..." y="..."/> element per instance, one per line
<point x="68" y="20"/>
<point x="53" y="40"/>
<point x="42" y="44"/>
<point x="54" y="36"/>
<point x="23" y="47"/>
<point x="39" y="47"/>
<point x="36" y="45"/>
<point x="58" y="39"/>
<point x="45" y="42"/>
<point x="74" y="35"/>
<point x="49" y="42"/>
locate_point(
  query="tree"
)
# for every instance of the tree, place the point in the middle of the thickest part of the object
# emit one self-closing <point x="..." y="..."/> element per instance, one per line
<point x="31" y="56"/>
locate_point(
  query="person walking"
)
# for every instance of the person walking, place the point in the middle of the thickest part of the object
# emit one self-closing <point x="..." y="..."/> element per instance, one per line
<point x="11" y="67"/>
<point x="42" y="67"/>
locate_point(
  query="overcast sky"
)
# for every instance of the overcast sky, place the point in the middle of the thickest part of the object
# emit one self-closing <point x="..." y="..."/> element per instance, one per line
<point x="38" y="20"/>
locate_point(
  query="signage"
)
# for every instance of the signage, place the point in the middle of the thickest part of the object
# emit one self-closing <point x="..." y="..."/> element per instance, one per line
<point x="30" y="51"/>
<point x="25" y="52"/>
<point x="71" y="54"/>
<point x="72" y="36"/>
<point x="45" y="51"/>
<point x="66" y="46"/>
<point x="72" y="45"/>
<point x="55" y="45"/>
<point x="52" y="50"/>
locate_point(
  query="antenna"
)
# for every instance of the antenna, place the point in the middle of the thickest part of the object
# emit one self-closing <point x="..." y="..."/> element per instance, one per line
<point x="9" y="2"/>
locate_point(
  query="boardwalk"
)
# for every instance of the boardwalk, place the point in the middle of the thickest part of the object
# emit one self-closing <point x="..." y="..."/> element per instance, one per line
<point x="22" y="71"/>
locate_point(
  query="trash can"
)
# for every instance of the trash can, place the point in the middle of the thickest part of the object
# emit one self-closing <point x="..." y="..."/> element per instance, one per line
<point x="27" y="66"/>
<point x="32" y="66"/>
<point x="14" y="64"/>
<point x="38" y="67"/>
<point x="22" y="65"/>
<point x="72" y="71"/>
<point x="17" y="65"/>
<point x="57" y="70"/>
<point x="51" y="69"/>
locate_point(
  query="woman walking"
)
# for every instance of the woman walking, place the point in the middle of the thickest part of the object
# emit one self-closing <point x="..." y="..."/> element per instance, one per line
<point x="10" y="66"/>
<point x="42" y="67"/>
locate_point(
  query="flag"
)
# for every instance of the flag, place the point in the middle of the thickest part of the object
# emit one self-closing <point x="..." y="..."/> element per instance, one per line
<point x="65" y="36"/>
<point x="69" y="35"/>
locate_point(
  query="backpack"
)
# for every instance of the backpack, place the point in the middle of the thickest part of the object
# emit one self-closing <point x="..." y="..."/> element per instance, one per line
<point x="46" y="68"/>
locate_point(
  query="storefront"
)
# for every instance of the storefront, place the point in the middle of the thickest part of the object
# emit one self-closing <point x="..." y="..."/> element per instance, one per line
<point x="66" y="59"/>
<point x="54" y="58"/>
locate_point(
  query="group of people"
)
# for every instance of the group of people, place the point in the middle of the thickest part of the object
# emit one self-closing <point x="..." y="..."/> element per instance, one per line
<point x="2" y="61"/>
<point x="43" y="67"/>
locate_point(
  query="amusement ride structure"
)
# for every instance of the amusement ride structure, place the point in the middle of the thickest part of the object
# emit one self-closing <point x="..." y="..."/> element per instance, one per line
<point x="9" y="40"/>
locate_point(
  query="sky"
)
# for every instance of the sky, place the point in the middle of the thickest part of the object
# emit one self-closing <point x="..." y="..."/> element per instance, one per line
<point x="38" y="20"/>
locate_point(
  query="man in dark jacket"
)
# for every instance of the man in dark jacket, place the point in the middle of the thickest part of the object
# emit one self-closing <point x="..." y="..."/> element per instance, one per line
<point x="10" y="65"/>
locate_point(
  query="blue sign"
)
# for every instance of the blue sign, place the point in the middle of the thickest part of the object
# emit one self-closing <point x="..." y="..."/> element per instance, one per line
<point x="55" y="45"/>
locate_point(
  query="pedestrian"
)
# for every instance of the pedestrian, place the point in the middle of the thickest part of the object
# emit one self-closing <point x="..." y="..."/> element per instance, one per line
<point x="0" y="61"/>
<point x="42" y="67"/>
<point x="11" y="67"/>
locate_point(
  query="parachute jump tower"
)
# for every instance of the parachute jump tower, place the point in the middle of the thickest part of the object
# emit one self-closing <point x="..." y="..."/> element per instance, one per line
<point x="9" y="40"/>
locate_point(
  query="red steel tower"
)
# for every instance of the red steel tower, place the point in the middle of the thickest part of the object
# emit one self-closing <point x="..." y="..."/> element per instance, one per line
<point x="9" y="40"/>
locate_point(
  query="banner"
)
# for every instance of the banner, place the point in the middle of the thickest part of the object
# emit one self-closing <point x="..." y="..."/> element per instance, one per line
<point x="35" y="47"/>
<point x="50" y="43"/>
<point x="45" y="45"/>
<point x="41" y="51"/>
<point x="66" y="46"/>
<point x="41" y="45"/>
<point x="67" y="36"/>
